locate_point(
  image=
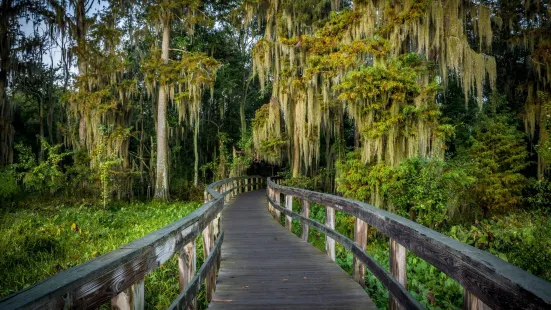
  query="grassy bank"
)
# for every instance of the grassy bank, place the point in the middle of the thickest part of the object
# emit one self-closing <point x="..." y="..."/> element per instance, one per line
<point x="40" y="240"/>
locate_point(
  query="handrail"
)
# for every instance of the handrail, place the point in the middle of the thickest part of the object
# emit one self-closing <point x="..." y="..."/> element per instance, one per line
<point x="118" y="275"/>
<point x="489" y="282"/>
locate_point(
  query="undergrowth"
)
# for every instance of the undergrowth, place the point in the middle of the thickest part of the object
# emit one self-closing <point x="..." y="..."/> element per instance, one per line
<point x="40" y="240"/>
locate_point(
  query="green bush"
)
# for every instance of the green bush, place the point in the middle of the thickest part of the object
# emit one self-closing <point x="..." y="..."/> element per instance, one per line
<point x="8" y="184"/>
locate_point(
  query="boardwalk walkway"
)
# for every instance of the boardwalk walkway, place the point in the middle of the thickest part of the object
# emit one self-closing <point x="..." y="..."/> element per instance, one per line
<point x="265" y="266"/>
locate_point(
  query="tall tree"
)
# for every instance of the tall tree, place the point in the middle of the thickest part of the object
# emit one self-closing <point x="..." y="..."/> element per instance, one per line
<point x="181" y="80"/>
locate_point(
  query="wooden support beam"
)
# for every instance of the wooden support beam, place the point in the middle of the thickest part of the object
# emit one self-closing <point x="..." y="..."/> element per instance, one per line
<point x="360" y="237"/>
<point x="277" y="213"/>
<point x="306" y="214"/>
<point x="398" y="255"/>
<point x="187" y="264"/>
<point x="330" y="223"/>
<point x="471" y="302"/>
<point x="130" y="299"/>
<point x="208" y="243"/>
<point x="289" y="206"/>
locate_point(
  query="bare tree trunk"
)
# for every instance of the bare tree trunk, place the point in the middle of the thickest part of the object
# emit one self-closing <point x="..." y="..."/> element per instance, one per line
<point x="196" y="153"/>
<point x="6" y="127"/>
<point x="161" y="181"/>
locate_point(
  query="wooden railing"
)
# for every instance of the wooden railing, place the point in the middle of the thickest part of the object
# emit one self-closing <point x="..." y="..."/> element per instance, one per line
<point x="488" y="281"/>
<point x="118" y="276"/>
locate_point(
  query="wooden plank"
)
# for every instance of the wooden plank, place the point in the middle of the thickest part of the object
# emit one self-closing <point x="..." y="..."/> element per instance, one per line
<point x="130" y="299"/>
<point x="289" y="206"/>
<point x="471" y="302"/>
<point x="386" y="278"/>
<point x="273" y="269"/>
<point x="330" y="223"/>
<point x="185" y="299"/>
<point x="398" y="255"/>
<point x="360" y="237"/>
<point x="208" y="243"/>
<point x="497" y="283"/>
<point x="306" y="214"/>
<point x="187" y="264"/>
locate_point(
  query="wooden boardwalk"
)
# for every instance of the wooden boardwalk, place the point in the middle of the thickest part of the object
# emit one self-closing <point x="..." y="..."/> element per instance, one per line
<point x="266" y="266"/>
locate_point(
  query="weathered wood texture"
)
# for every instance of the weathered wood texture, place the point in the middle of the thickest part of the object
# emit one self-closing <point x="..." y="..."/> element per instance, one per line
<point x="306" y="214"/>
<point x="330" y="223"/>
<point x="398" y="269"/>
<point x="130" y="299"/>
<point x="95" y="282"/>
<point x="185" y="299"/>
<point x="495" y="282"/>
<point x="187" y="264"/>
<point x="360" y="237"/>
<point x="386" y="278"/>
<point x="266" y="267"/>
<point x="289" y="206"/>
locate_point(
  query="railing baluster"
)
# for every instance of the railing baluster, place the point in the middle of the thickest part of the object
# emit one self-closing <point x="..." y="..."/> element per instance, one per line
<point x="208" y="243"/>
<point x="306" y="214"/>
<point x="247" y="185"/>
<point x="187" y="264"/>
<point x="330" y="222"/>
<point x="360" y="237"/>
<point x="471" y="302"/>
<point x="398" y="255"/>
<point x="132" y="298"/>
<point x="289" y="206"/>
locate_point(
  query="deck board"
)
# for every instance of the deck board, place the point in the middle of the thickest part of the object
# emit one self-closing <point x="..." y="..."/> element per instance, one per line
<point x="265" y="266"/>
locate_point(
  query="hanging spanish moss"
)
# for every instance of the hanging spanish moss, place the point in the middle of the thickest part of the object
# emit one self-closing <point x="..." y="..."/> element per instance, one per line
<point x="313" y="65"/>
<point x="102" y="106"/>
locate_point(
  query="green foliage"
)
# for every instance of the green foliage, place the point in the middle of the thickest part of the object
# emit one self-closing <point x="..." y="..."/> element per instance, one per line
<point x="537" y="195"/>
<point x="44" y="176"/>
<point x="420" y="189"/>
<point x="424" y="189"/>
<point x="497" y="155"/>
<point x="42" y="239"/>
<point x="521" y="238"/>
<point x="8" y="184"/>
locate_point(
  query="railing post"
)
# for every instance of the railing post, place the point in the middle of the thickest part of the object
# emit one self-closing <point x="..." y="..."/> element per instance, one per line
<point x="207" y="248"/>
<point x="132" y="298"/>
<point x="330" y="222"/>
<point x="277" y="213"/>
<point x="306" y="214"/>
<point x="360" y="237"/>
<point x="398" y="269"/>
<point x="247" y="189"/>
<point x="187" y="264"/>
<point x="272" y="197"/>
<point x="471" y="302"/>
<point x="289" y="206"/>
<point x="226" y="189"/>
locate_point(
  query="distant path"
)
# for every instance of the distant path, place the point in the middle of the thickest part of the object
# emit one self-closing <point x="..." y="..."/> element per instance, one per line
<point x="266" y="266"/>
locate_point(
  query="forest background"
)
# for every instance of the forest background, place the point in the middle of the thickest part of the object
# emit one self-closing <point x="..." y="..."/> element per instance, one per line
<point x="115" y="114"/>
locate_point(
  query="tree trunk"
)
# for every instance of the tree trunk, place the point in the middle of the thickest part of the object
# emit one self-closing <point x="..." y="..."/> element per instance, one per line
<point x="80" y="12"/>
<point x="6" y="128"/>
<point x="161" y="181"/>
<point x="196" y="153"/>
